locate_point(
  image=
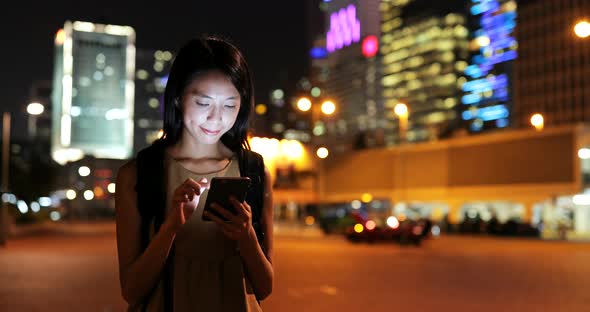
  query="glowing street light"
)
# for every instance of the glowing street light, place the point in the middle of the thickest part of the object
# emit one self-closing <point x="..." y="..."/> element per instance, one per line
<point x="582" y="29"/>
<point x="260" y="109"/>
<point x="84" y="171"/>
<point x="71" y="194"/>
<point x="111" y="188"/>
<point x="304" y="104"/>
<point x="366" y="198"/>
<point x="35" y="108"/>
<point x="537" y="121"/>
<point x="88" y="194"/>
<point x="322" y="152"/>
<point x="328" y="107"/>
<point x="401" y="110"/>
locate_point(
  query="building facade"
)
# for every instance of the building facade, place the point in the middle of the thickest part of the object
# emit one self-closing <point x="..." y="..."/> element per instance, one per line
<point x="350" y="71"/>
<point x="151" y="76"/>
<point x="424" y="47"/>
<point x="553" y="63"/>
<point x="488" y="100"/>
<point x="93" y="91"/>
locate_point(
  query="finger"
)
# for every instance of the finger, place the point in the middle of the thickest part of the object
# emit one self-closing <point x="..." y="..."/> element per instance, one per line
<point x="247" y="206"/>
<point x="190" y="192"/>
<point x="239" y="206"/>
<point x="182" y="190"/>
<point x="224" y="212"/>
<point x="222" y="223"/>
<point x="204" y="183"/>
<point x="199" y="187"/>
<point x="180" y="198"/>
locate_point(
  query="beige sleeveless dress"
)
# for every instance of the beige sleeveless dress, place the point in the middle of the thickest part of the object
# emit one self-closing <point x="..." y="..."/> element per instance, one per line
<point x="208" y="270"/>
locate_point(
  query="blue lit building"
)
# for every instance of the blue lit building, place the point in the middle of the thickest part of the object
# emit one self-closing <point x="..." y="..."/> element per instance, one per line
<point x="488" y="98"/>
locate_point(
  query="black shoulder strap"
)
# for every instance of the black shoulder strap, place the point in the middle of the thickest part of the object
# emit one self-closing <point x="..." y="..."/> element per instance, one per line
<point x="252" y="166"/>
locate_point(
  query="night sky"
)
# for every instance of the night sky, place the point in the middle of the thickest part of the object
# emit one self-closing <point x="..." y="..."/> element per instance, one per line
<point x="274" y="36"/>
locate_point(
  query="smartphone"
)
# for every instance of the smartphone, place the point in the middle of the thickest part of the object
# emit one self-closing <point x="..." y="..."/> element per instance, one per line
<point x="221" y="189"/>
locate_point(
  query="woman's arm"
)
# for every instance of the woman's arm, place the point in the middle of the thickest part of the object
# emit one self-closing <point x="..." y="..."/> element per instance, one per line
<point x="259" y="265"/>
<point x="138" y="272"/>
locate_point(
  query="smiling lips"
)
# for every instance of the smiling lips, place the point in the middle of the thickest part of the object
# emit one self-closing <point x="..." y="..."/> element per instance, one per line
<point x="209" y="132"/>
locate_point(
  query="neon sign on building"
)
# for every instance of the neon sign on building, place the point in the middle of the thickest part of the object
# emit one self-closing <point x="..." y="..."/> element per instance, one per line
<point x="486" y="93"/>
<point x="370" y="46"/>
<point x="345" y="29"/>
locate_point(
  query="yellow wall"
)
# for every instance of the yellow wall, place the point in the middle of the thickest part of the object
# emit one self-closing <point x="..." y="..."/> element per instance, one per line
<point x="514" y="165"/>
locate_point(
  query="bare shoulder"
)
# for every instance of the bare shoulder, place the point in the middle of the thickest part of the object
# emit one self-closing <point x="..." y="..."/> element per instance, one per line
<point x="268" y="181"/>
<point x="127" y="174"/>
<point x="267" y="173"/>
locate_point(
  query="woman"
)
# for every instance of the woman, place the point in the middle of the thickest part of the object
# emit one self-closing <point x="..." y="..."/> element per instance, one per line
<point x="169" y="259"/>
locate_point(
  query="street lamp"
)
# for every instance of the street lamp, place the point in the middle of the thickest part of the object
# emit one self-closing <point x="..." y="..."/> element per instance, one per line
<point x="582" y="29"/>
<point x="322" y="152"/>
<point x="84" y="171"/>
<point x="401" y="110"/>
<point x="327" y="108"/>
<point x="34" y="109"/>
<point x="537" y="121"/>
<point x="304" y="104"/>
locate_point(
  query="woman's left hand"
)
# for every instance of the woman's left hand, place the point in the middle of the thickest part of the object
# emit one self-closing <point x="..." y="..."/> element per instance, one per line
<point x="239" y="226"/>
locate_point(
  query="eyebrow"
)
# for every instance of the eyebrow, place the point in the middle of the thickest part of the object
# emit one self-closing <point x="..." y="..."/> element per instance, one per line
<point x="197" y="93"/>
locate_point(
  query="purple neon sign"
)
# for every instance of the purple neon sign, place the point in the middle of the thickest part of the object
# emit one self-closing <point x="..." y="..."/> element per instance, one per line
<point x="345" y="29"/>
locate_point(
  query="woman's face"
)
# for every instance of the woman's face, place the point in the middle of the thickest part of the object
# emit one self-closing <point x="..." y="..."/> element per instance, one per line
<point x="210" y="106"/>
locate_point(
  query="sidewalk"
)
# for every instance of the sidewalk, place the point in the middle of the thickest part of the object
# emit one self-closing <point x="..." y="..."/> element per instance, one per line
<point x="297" y="230"/>
<point x="281" y="229"/>
<point x="62" y="229"/>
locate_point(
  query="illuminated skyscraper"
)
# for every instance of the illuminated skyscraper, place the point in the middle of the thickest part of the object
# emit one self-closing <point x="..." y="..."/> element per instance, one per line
<point x="351" y="69"/>
<point x="488" y="101"/>
<point x="152" y="68"/>
<point x="93" y="92"/>
<point x="554" y="62"/>
<point x="424" y="47"/>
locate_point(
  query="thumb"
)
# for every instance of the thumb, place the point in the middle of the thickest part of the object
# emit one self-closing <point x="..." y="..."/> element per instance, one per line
<point x="204" y="184"/>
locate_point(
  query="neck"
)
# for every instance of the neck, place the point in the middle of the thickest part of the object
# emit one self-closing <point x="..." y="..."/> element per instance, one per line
<point x="188" y="147"/>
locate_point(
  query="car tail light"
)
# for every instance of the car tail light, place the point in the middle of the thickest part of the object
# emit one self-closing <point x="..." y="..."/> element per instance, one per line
<point x="358" y="228"/>
<point x="370" y="225"/>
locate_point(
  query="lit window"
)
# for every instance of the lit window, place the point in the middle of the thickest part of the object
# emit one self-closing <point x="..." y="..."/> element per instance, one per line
<point x="154" y="103"/>
<point x="142" y="74"/>
<point x="158" y="66"/>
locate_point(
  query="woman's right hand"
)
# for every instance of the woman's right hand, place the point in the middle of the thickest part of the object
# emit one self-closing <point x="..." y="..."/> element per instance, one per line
<point x="185" y="201"/>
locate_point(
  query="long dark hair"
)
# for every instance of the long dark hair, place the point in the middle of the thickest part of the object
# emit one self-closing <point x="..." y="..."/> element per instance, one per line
<point x="197" y="56"/>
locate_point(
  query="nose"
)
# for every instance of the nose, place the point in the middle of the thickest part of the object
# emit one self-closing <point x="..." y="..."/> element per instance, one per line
<point x="214" y="113"/>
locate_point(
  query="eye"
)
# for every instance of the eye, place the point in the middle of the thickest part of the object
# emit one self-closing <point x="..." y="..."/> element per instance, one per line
<point x="202" y="104"/>
<point x="230" y="106"/>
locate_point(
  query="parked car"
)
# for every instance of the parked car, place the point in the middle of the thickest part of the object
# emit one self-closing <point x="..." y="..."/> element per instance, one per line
<point x="405" y="232"/>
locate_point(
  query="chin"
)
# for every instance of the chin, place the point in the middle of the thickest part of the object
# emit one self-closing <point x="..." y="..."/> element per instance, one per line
<point x="205" y="139"/>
